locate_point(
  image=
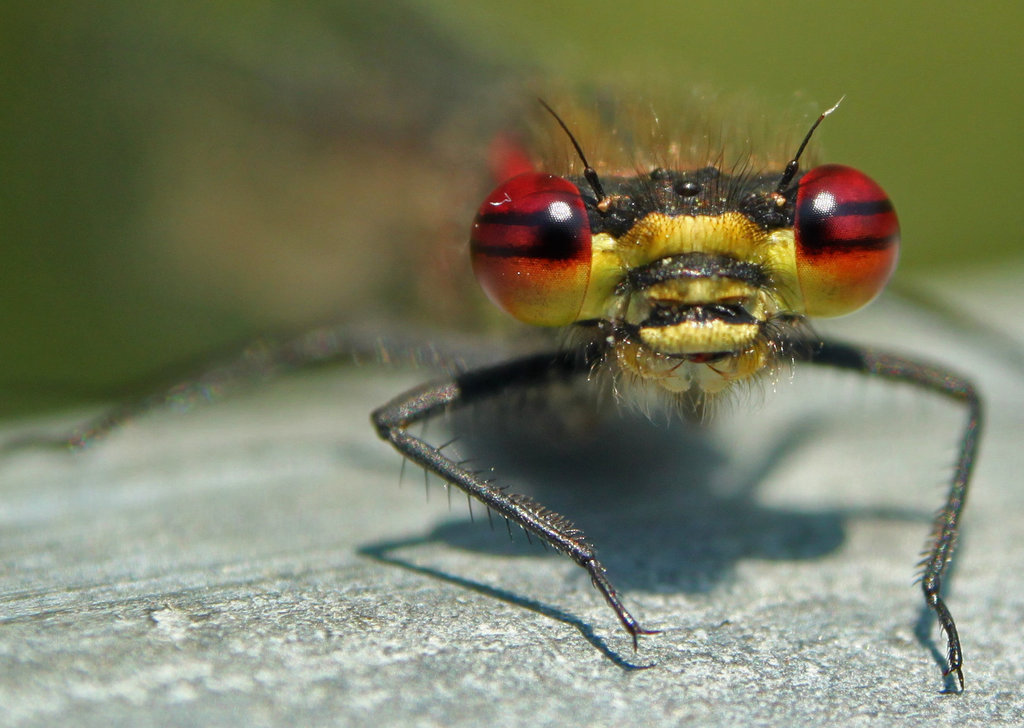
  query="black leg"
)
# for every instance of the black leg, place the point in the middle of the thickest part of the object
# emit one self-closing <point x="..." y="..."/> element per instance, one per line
<point x="947" y="524"/>
<point x="393" y="419"/>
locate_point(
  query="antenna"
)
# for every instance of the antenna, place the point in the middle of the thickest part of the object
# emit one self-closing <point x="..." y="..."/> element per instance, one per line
<point x="794" y="164"/>
<point x="588" y="172"/>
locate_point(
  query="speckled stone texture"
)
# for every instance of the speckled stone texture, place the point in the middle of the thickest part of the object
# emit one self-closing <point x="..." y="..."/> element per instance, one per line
<point x="267" y="562"/>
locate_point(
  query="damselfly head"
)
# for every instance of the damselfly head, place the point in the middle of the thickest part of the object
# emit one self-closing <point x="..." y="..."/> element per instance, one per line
<point x="692" y="278"/>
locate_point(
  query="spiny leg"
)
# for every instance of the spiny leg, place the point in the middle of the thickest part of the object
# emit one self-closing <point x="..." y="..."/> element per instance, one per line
<point x="392" y="422"/>
<point x="947" y="524"/>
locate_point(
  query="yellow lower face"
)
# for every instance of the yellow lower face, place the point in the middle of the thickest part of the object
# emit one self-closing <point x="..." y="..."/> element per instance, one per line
<point x="679" y="375"/>
<point x="710" y="338"/>
<point x="704" y="337"/>
<point x="660" y="236"/>
<point x="708" y="353"/>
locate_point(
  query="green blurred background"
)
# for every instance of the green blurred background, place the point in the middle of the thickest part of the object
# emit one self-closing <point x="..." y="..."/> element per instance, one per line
<point x="179" y="176"/>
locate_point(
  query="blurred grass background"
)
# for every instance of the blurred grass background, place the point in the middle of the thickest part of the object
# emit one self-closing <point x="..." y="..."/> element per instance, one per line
<point x="179" y="176"/>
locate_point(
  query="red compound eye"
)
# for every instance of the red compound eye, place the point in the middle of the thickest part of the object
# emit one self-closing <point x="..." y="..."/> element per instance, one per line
<point x="847" y="239"/>
<point x="530" y="248"/>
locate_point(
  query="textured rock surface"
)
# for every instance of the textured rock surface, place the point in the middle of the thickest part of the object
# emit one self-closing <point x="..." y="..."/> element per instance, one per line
<point x="259" y="562"/>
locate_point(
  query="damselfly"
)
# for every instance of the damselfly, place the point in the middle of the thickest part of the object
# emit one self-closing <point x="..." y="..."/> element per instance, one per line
<point x="687" y="281"/>
<point x="671" y="278"/>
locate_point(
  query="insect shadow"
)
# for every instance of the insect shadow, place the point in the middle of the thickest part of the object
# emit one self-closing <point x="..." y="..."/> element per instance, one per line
<point x="668" y="506"/>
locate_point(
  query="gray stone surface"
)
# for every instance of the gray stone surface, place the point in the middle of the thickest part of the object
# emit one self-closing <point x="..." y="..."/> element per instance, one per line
<point x="266" y="561"/>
